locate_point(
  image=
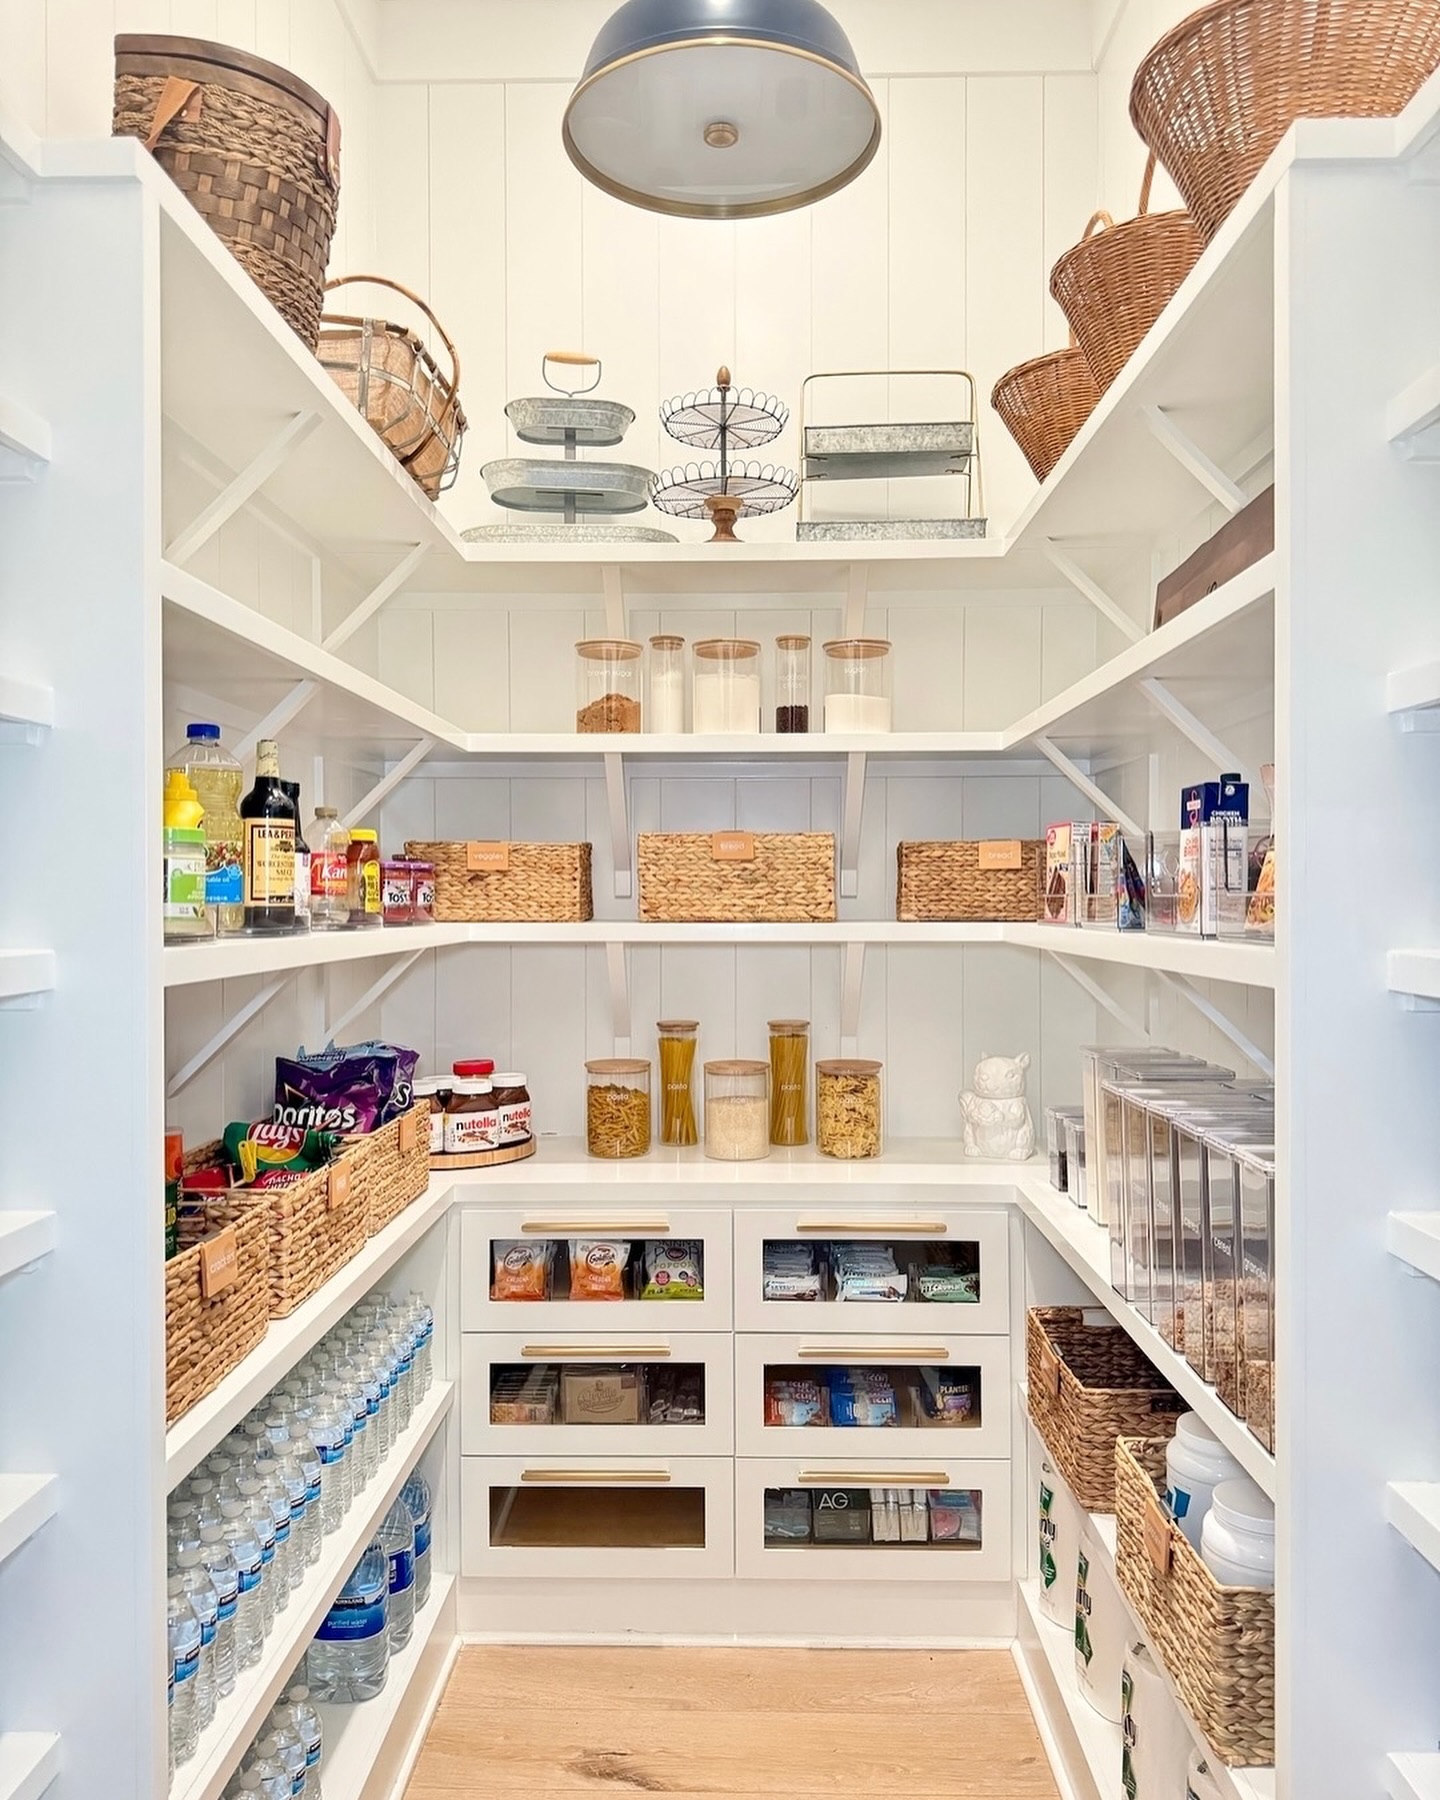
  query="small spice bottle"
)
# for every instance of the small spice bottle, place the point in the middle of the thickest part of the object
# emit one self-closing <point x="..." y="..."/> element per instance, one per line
<point x="737" y="1110"/>
<point x="362" y="882"/>
<point x="677" y="1080"/>
<point x="847" y="1108"/>
<point x="423" y="900"/>
<point x="397" y="893"/>
<point x="512" y="1097"/>
<point x="789" y="1081"/>
<point x="472" y="1119"/>
<point x="617" y="1106"/>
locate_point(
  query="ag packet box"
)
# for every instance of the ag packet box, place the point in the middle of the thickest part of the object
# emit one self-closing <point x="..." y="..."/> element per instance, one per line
<point x="1214" y="850"/>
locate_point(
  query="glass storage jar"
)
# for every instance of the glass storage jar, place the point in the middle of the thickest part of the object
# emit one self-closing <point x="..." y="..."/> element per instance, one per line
<point x="617" y="1106"/>
<point x="792" y="684"/>
<point x="857" y="685"/>
<point x="737" y="1110"/>
<point x="666" y="711"/>
<point x="607" y="685"/>
<point x="726" y="696"/>
<point x="677" y="1080"/>
<point x="847" y="1108"/>
<point x="789" y="1081"/>
<point x="397" y="892"/>
<point x="423" y="903"/>
<point x="362" y="881"/>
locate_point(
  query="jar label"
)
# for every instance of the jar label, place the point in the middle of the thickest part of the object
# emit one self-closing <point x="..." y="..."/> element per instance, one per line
<point x="328" y="876"/>
<point x="370" y="887"/>
<point x="425" y="893"/>
<point x="515" y="1122"/>
<point x="732" y="846"/>
<point x="395" y="894"/>
<point x="219" y="1263"/>
<point x="471" y="1131"/>
<point x="184" y="888"/>
<point x="1000" y="853"/>
<point x="270" y="862"/>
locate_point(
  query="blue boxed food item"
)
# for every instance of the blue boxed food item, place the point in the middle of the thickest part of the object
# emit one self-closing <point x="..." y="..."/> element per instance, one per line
<point x="1214" y="850"/>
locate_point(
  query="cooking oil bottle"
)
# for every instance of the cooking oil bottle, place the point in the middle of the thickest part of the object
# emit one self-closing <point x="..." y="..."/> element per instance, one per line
<point x="217" y="779"/>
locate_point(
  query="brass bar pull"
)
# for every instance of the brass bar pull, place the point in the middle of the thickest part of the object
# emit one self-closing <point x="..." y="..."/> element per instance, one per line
<point x="596" y="1227"/>
<point x="900" y="1227"/>
<point x="610" y="1352"/>
<point x="906" y="1478"/>
<point x="876" y="1352"/>
<point x="596" y="1477"/>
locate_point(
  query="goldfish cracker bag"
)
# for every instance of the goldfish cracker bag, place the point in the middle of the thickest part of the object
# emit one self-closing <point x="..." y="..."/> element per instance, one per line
<point x="597" y="1268"/>
<point x="522" y="1271"/>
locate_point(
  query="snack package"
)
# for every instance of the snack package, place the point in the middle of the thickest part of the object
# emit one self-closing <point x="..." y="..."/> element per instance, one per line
<point x="673" y="1270"/>
<point x="787" y="1515"/>
<point x="944" y="1397"/>
<point x="945" y="1285"/>
<point x="797" y="1402"/>
<point x="597" y="1268"/>
<point x="954" y="1516"/>
<point x="357" y="1089"/>
<point x="522" y="1270"/>
<point x="866" y="1272"/>
<point x="256" y="1150"/>
<point x="862" y="1397"/>
<point x="790" y="1272"/>
<point x="1130" y="893"/>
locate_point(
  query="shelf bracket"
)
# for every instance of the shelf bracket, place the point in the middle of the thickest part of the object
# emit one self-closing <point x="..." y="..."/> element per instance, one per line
<point x="1121" y="1015"/>
<point x="231" y="1029"/>
<point x="1193" y="459"/>
<point x="376" y="598"/>
<point x="618" y="976"/>
<point x="614" y="600"/>
<point x="1412" y="418"/>
<point x="851" y="813"/>
<point x="377" y="988"/>
<point x="415" y="755"/>
<point x="248" y="482"/>
<point x="1077" y="778"/>
<point x="25" y="440"/>
<point x="1199" y="734"/>
<point x="278" y="717"/>
<point x="852" y="983"/>
<point x="1207" y="1008"/>
<point x="857" y="598"/>
<point x="1093" y="592"/>
<point x="616" y="800"/>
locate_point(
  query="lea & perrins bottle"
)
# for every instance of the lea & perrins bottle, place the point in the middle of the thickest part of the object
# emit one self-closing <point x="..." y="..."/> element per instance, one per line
<point x="269" y="817"/>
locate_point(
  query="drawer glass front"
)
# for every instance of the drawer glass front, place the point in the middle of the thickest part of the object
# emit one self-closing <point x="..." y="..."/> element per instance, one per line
<point x="868" y="1396"/>
<point x="560" y="1515"/>
<point x="872" y="1272"/>
<point x="659" y="1271"/>
<point x="597" y="1394"/>
<point x="949" y="1520"/>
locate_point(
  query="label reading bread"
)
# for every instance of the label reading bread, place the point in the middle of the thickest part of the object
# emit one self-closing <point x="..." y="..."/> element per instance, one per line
<point x="487" y="858"/>
<point x="219" y="1263"/>
<point x="732" y="846"/>
<point x="1000" y="853"/>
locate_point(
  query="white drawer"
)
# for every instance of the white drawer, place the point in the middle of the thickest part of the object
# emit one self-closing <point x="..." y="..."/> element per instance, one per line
<point x="757" y="1358"/>
<point x="598" y="1518"/>
<point x="836" y="1486"/>
<point x="562" y="1223"/>
<point x="978" y="1239"/>
<point x="482" y="1354"/>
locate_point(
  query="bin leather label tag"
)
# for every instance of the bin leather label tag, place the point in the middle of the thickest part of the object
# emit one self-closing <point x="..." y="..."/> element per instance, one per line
<point x="732" y="846"/>
<point x="339" y="1191"/>
<point x="1157" y="1538"/>
<point x="1049" y="1369"/>
<point x="1000" y="853"/>
<point x="219" y="1263"/>
<point x="485" y="859"/>
<point x="407" y="1133"/>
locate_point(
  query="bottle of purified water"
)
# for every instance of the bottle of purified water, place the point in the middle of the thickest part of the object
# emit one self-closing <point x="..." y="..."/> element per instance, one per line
<point x="244" y="1543"/>
<point x="215" y="1554"/>
<point x="424" y="1318"/>
<point x="416" y="1495"/>
<point x="307" y="1723"/>
<point x="348" y="1659"/>
<point x="196" y="1583"/>
<point x="264" y="1761"/>
<point x="278" y="1497"/>
<point x="397" y="1534"/>
<point x="289" y="1751"/>
<point x="184" y="1635"/>
<point x="257" y="1505"/>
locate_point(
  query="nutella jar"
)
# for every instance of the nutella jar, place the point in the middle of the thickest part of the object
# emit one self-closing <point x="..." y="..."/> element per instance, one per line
<point x="479" y="1068"/>
<point x="513" y="1099"/>
<point x="433" y="1091"/>
<point x="471" y="1119"/>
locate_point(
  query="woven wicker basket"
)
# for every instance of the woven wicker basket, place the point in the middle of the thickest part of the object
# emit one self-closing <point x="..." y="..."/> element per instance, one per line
<point x="538" y="884"/>
<point x="399" y="388"/>
<point x="940" y="880"/>
<point x="254" y="150"/>
<point x="1217" y="1643"/>
<point x="1113" y="286"/>
<point x="206" y="1339"/>
<point x="1044" y="402"/>
<point x="781" y="877"/>
<point x="397" y="1168"/>
<point x="1089" y="1385"/>
<point x="1216" y="95"/>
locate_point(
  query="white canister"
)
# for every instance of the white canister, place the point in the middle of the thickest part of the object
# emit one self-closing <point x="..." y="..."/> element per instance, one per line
<point x="1237" y="1540"/>
<point x="1155" y="1744"/>
<point x="1100" y="1630"/>
<point x="1200" y="1784"/>
<point x="1195" y="1465"/>
<point x="1058" y="1525"/>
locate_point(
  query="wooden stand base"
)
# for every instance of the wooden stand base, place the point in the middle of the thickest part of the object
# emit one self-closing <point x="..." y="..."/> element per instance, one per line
<point x="482" y="1159"/>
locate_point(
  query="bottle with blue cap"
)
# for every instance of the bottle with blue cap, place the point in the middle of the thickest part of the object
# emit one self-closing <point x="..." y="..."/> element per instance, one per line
<point x="217" y="779"/>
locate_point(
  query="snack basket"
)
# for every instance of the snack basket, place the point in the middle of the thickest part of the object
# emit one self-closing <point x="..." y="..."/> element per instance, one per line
<point x="394" y="1165"/>
<point x="736" y="877"/>
<point x="1044" y="402"/>
<point x="507" y="883"/>
<point x="208" y="1333"/>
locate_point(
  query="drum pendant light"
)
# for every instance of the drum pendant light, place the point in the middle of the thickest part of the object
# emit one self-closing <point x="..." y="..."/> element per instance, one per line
<point x="721" y="109"/>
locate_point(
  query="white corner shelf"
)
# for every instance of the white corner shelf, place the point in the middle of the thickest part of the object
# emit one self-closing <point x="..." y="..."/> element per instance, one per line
<point x="25" y="439"/>
<point x="1099" y="1740"/>
<point x="1414" y="690"/>
<point x="29" y="704"/>
<point x="193" y="1436"/>
<point x="1413" y="1508"/>
<point x="1413" y="416"/>
<point x="1414" y="973"/>
<point x="1086" y="1248"/>
<point x="1413" y="1775"/>
<point x="26" y="972"/>
<point x="29" y="1763"/>
<point x="227" y="959"/>
<point x="26" y="1503"/>
<point x="24" y="1238"/>
<point x="1415" y="1238"/>
<point x="239" y="1714"/>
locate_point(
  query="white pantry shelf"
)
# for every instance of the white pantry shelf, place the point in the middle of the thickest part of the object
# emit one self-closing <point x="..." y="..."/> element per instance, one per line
<point x="1413" y="1508"/>
<point x="1046" y="1652"/>
<point x="26" y="972"/>
<point x="1413" y="690"/>
<point x="193" y="1436"/>
<point x="26" y="703"/>
<point x="29" y="1763"/>
<point x="1415" y="1238"/>
<point x="1412" y="419"/>
<point x="25" y="439"/>
<point x="24" y="1238"/>
<point x="26" y="1503"/>
<point x="1413" y="1775"/>
<point x="240" y="1713"/>
<point x="1415" y="973"/>
<point x="226" y="959"/>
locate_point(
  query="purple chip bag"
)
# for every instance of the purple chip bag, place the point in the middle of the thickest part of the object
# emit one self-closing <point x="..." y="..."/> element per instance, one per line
<point x="355" y="1089"/>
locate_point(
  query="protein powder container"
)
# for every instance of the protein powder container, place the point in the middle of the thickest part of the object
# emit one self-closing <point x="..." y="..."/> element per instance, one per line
<point x="1237" y="1540"/>
<point x="472" y="1119"/>
<point x="1196" y="1462"/>
<point x="1101" y="1629"/>
<point x="512" y="1098"/>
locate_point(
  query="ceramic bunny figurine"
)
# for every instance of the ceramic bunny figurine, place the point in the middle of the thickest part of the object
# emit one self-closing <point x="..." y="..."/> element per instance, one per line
<point x="997" y="1120"/>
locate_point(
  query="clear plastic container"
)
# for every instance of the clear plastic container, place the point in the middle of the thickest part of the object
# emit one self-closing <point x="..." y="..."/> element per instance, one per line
<point x="726" y="695"/>
<point x="218" y="781"/>
<point x="677" y="1080"/>
<point x="847" y="1109"/>
<point x="607" y="685"/>
<point x="617" y="1107"/>
<point x="737" y="1110"/>
<point x="789" y="1082"/>
<point x="857" y="685"/>
<point x="666" y="711"/>
<point x="329" y="871"/>
<point x="792" y="684"/>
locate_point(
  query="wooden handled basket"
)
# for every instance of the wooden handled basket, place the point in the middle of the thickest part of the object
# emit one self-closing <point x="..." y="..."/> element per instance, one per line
<point x="1044" y="402"/>
<point x="390" y="375"/>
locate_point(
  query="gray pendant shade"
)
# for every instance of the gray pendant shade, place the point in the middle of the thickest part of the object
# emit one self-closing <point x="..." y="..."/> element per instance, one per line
<point x="721" y="109"/>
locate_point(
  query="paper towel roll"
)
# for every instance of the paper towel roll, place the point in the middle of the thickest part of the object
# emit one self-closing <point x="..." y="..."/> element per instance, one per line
<point x="1057" y="1520"/>
<point x="1156" y="1742"/>
<point x="1200" y="1784"/>
<point x="1101" y="1628"/>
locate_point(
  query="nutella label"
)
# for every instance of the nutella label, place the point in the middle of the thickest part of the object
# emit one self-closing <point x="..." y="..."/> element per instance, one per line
<point x="515" y="1122"/>
<point x="471" y="1131"/>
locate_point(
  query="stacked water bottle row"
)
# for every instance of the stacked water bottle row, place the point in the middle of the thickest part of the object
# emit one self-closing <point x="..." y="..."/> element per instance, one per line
<point x="286" y="1757"/>
<point x="245" y="1526"/>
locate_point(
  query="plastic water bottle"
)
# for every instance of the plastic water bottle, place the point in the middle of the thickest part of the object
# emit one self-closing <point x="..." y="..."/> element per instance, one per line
<point x="308" y="1456"/>
<point x="349" y="1483"/>
<point x="424" y="1315"/>
<point x="206" y="1497"/>
<point x="397" y="1534"/>
<point x="264" y="1761"/>
<point x="417" y="1497"/>
<point x="327" y="1434"/>
<point x="289" y="1751"/>
<point x="257" y="1507"/>
<point x="297" y="1490"/>
<point x="244" y="1544"/>
<point x="278" y="1496"/>
<point x="215" y="1554"/>
<point x="307" y="1723"/>
<point x="348" y="1659"/>
<point x="184" y="1634"/>
<point x="200" y="1589"/>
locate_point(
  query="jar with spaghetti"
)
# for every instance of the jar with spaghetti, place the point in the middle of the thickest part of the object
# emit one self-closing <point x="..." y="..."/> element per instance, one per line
<point x="737" y="1110"/>
<point x="847" y="1108"/>
<point x="677" y="1080"/>
<point x="789" y="1081"/>
<point x="607" y="692"/>
<point x="617" y="1107"/>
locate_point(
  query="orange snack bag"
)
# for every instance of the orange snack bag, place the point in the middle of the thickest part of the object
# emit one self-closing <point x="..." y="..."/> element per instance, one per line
<point x="597" y="1268"/>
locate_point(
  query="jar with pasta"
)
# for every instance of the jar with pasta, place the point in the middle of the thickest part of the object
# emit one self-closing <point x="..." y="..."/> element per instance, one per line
<point x="677" y="1080"/>
<point x="617" y="1107"/>
<point x="737" y="1110"/>
<point x="847" y="1108"/>
<point x="789" y="1081"/>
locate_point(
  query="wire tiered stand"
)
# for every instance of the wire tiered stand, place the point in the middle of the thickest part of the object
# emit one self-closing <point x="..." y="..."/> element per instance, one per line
<point x="573" y="494"/>
<point x="723" y="418"/>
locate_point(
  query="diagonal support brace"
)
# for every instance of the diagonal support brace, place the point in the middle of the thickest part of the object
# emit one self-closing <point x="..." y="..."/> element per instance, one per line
<point x="407" y="763"/>
<point x="615" y="798"/>
<point x="1193" y="460"/>
<point x="231" y="1029"/>
<point x="374" y="992"/>
<point x="376" y="598"/>
<point x="1107" y="1002"/>
<point x="1077" y="778"/>
<point x="851" y="814"/>
<point x="248" y="482"/>
<point x="278" y="717"/>
<point x="1198" y="733"/>
<point x="1093" y="592"/>
<point x="1227" y="1028"/>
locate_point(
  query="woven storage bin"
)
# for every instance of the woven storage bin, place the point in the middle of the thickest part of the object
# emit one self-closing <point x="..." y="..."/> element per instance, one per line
<point x="946" y="881"/>
<point x="1044" y="402"/>
<point x="254" y="150"/>
<point x="206" y="1339"/>
<point x="396" y="1170"/>
<point x="1217" y="1643"/>
<point x="1216" y="95"/>
<point x="1089" y="1385"/>
<point x="399" y="388"/>
<point x="1113" y="286"/>
<point x="539" y="883"/>
<point x="789" y="878"/>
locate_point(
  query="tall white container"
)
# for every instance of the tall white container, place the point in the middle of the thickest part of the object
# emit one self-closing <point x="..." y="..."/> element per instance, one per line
<point x="1057" y="1525"/>
<point x="1196" y="1462"/>
<point x="1101" y="1629"/>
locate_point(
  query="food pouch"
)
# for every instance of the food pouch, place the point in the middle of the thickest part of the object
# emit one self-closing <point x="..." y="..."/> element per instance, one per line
<point x="256" y="1149"/>
<point x="672" y="1270"/>
<point x="597" y="1268"/>
<point x="522" y="1271"/>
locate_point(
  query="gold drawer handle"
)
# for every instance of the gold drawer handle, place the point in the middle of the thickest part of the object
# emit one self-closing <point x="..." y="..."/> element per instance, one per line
<point x="901" y="1227"/>
<point x="876" y="1352"/>
<point x="596" y="1227"/>
<point x="596" y="1477"/>
<point x="611" y="1352"/>
<point x="909" y="1478"/>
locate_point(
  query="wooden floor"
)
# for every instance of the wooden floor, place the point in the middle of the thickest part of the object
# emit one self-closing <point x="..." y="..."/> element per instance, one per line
<point x="748" y="1724"/>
